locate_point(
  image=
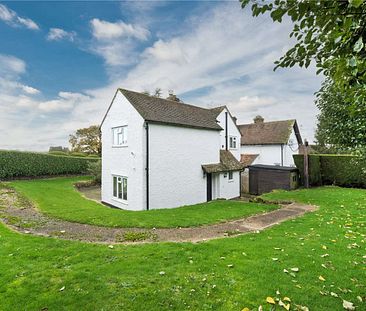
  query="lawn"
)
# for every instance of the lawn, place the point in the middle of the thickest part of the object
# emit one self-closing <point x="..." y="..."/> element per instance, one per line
<point x="224" y="274"/>
<point x="58" y="198"/>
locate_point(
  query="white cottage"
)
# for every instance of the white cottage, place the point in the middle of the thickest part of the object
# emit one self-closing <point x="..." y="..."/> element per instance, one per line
<point x="270" y="143"/>
<point x="160" y="153"/>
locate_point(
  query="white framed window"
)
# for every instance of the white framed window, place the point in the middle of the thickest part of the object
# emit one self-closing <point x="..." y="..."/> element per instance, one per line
<point x="231" y="176"/>
<point x="120" y="187"/>
<point x="232" y="142"/>
<point x="119" y="136"/>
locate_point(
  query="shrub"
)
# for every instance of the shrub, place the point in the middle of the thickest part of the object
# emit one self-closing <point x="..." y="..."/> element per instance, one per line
<point x="78" y="154"/>
<point x="315" y="171"/>
<point x="341" y="170"/>
<point x="15" y="164"/>
<point x="95" y="169"/>
<point x="58" y="153"/>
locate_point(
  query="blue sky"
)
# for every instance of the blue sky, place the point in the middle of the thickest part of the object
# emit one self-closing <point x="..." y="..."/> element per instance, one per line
<point x="60" y="63"/>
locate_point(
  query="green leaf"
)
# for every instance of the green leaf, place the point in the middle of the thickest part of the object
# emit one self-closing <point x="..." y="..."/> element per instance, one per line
<point x="352" y="62"/>
<point x="358" y="45"/>
<point x="355" y="3"/>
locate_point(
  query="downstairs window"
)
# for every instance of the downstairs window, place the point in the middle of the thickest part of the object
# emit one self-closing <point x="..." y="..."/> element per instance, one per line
<point x="120" y="188"/>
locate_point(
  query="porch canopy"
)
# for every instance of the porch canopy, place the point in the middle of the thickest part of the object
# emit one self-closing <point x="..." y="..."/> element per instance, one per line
<point x="227" y="163"/>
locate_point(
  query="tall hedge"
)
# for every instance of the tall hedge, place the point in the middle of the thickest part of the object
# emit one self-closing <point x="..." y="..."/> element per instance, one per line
<point x="15" y="164"/>
<point x="328" y="169"/>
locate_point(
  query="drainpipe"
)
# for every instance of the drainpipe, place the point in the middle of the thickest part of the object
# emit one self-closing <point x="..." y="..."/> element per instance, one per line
<point x="147" y="165"/>
<point x="281" y="154"/>
<point x="226" y="138"/>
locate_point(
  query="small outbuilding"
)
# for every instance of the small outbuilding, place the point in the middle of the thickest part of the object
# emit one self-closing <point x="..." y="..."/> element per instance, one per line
<point x="265" y="178"/>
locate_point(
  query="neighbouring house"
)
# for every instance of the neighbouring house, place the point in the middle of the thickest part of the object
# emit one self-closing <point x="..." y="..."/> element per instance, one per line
<point x="270" y="143"/>
<point x="161" y="153"/>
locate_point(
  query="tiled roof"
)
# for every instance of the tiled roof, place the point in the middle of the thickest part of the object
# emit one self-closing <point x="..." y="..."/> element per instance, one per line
<point x="227" y="163"/>
<point x="166" y="111"/>
<point x="268" y="133"/>
<point x="247" y="159"/>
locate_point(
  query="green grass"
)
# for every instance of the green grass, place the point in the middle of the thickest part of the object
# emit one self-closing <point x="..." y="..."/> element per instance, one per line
<point x="58" y="198"/>
<point x="198" y="276"/>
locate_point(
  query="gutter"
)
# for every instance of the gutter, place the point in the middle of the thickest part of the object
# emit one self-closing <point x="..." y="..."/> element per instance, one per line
<point x="226" y="137"/>
<point x="147" y="165"/>
<point x="281" y="154"/>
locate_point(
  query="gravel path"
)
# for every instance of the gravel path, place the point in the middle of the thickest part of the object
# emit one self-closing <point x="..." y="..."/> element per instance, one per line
<point x="23" y="217"/>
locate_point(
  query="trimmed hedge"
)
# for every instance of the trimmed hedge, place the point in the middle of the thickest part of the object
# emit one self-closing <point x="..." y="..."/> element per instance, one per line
<point x="333" y="169"/>
<point x="15" y="164"/>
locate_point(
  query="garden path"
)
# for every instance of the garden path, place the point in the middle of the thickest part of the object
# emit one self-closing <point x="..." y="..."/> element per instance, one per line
<point x="25" y="218"/>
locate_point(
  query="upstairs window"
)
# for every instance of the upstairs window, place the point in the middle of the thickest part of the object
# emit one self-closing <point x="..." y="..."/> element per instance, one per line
<point x="232" y="142"/>
<point x="120" y="188"/>
<point x="119" y="136"/>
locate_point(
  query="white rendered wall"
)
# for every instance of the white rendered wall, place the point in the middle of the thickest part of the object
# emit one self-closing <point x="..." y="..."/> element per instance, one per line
<point x="232" y="131"/>
<point x="290" y="149"/>
<point x="268" y="154"/>
<point x="271" y="154"/>
<point x="229" y="188"/>
<point x="124" y="161"/>
<point x="175" y="156"/>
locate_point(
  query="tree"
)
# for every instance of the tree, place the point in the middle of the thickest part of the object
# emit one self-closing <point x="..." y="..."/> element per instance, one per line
<point x="341" y="125"/>
<point x="332" y="34"/>
<point x="157" y="92"/>
<point x="86" y="140"/>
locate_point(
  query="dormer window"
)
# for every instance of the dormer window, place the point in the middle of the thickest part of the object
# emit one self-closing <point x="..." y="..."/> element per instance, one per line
<point x="232" y="142"/>
<point x="119" y="136"/>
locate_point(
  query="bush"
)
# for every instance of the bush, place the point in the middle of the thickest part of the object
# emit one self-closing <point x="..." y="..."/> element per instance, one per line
<point x="315" y="172"/>
<point x="78" y="154"/>
<point x="94" y="156"/>
<point x="95" y="169"/>
<point x="326" y="169"/>
<point x="15" y="164"/>
<point x="58" y="153"/>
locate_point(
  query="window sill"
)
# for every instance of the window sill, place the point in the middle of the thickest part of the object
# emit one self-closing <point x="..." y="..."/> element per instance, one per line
<point x="120" y="201"/>
<point x="231" y="180"/>
<point x="119" y="146"/>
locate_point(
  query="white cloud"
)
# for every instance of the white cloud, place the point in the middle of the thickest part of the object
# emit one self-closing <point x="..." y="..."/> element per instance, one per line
<point x="116" y="42"/>
<point x="13" y="19"/>
<point x="30" y="90"/>
<point x="10" y="65"/>
<point x="66" y="101"/>
<point x="104" y="30"/>
<point x="57" y="34"/>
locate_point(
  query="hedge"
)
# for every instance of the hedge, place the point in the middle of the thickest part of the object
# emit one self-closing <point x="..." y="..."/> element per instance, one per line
<point x="329" y="169"/>
<point x="14" y="164"/>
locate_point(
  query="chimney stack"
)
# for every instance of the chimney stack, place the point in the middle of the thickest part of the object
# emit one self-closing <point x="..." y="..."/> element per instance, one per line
<point x="173" y="97"/>
<point x="258" y="119"/>
<point x="235" y="119"/>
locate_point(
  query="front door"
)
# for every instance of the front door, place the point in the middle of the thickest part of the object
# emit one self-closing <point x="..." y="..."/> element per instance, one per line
<point x="209" y="187"/>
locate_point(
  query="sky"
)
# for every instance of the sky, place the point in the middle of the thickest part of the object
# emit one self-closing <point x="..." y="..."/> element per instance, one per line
<point x="61" y="63"/>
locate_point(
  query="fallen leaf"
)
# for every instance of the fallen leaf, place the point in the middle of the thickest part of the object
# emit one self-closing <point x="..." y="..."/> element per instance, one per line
<point x="62" y="288"/>
<point x="284" y="305"/>
<point x="286" y="299"/>
<point x="246" y="309"/>
<point x="270" y="300"/>
<point x="295" y="269"/>
<point x="162" y="272"/>
<point x="274" y="259"/>
<point x="333" y="294"/>
<point x="321" y="278"/>
<point x="359" y="298"/>
<point x="110" y="246"/>
<point x="230" y="266"/>
<point x="348" y="305"/>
